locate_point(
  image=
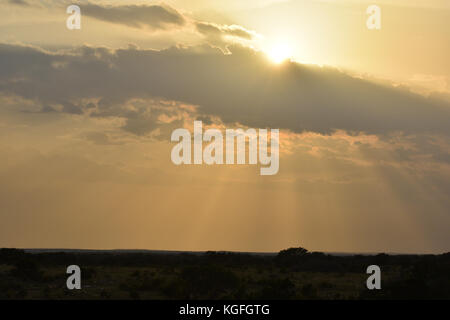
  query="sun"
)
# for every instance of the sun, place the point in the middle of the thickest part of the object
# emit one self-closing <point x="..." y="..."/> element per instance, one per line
<point x="280" y="53"/>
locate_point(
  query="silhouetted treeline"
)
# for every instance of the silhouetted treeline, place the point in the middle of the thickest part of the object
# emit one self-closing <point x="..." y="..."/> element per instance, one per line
<point x="293" y="273"/>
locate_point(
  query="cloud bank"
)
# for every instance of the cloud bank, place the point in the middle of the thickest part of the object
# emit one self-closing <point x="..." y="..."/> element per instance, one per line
<point x="240" y="87"/>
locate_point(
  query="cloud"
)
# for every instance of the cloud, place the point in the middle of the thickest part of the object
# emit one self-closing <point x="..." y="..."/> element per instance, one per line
<point x="215" y="30"/>
<point x="241" y="87"/>
<point x="18" y="2"/>
<point x="154" y="16"/>
<point x="136" y="16"/>
<point x="222" y="36"/>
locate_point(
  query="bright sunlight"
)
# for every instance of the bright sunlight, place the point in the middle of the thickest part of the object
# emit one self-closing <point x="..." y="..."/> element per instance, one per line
<point x="280" y="53"/>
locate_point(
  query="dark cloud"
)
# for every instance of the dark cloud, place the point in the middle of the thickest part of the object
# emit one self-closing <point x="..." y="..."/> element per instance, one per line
<point x="47" y="109"/>
<point x="205" y="119"/>
<point x="101" y="138"/>
<point x="242" y="87"/>
<point x="19" y="2"/>
<point x="136" y="16"/>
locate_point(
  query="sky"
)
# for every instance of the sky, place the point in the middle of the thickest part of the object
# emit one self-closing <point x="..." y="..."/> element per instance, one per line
<point x="86" y="118"/>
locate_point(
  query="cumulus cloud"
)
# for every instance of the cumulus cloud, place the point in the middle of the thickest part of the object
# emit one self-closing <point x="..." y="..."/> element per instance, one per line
<point x="162" y="16"/>
<point x="242" y="87"/>
<point x="137" y="16"/>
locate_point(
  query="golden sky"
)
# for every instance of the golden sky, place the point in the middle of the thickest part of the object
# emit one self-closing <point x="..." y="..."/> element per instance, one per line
<point x="364" y="117"/>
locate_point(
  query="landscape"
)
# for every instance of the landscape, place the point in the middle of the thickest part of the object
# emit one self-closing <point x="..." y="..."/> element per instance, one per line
<point x="196" y="150"/>
<point x="290" y="274"/>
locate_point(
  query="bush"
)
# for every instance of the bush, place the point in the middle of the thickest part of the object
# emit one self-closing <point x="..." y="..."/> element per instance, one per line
<point x="208" y="280"/>
<point x="27" y="270"/>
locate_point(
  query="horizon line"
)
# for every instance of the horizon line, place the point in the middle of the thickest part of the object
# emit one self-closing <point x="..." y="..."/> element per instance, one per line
<point x="162" y="251"/>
